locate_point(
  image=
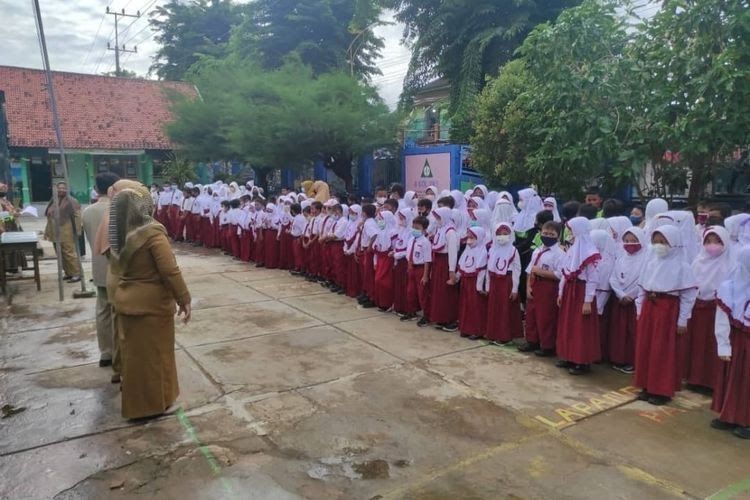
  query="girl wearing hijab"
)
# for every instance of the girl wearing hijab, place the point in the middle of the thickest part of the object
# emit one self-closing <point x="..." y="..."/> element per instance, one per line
<point x="480" y="190"/>
<point x="668" y="290"/>
<point x="482" y="218"/>
<point x="431" y="193"/>
<point x="335" y="245"/>
<point x="503" y="276"/>
<point x="405" y="217"/>
<point x="711" y="267"/>
<point x="550" y="203"/>
<point x="443" y="289"/>
<point x="460" y="214"/>
<point x="270" y="232"/>
<point x="351" y="243"/>
<point x="736" y="224"/>
<point x="606" y="246"/>
<point x="617" y="227"/>
<point x="286" y="253"/>
<point x="258" y="225"/>
<point x="654" y="208"/>
<point x="578" y="343"/>
<point x="504" y="211"/>
<point x="732" y="332"/>
<point x="148" y="289"/>
<point x="244" y="230"/>
<point x="624" y="284"/>
<point x="383" y="247"/>
<point x="366" y="256"/>
<point x="472" y="302"/>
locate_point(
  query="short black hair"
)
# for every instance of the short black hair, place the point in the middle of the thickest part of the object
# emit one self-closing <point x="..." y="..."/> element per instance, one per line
<point x="337" y="208"/>
<point x="295" y="209"/>
<point x="224" y="203"/>
<point x="245" y="197"/>
<point x="587" y="210"/>
<point x="235" y="203"/>
<point x="397" y="188"/>
<point x="317" y="205"/>
<point x="391" y="203"/>
<point x="425" y="203"/>
<point x="612" y="207"/>
<point x="724" y="208"/>
<point x="593" y="190"/>
<point x="105" y="180"/>
<point x="306" y="210"/>
<point x="380" y="188"/>
<point x="447" y="201"/>
<point x="369" y="211"/>
<point x="543" y="217"/>
<point x="551" y="225"/>
<point x="423" y="221"/>
<point x="715" y="221"/>
<point x="570" y="209"/>
<point x="353" y="199"/>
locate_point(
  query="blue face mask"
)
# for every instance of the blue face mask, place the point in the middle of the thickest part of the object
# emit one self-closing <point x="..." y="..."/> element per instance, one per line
<point x="381" y="224"/>
<point x="549" y="241"/>
<point x="474" y="224"/>
<point x="635" y="220"/>
<point x="416" y="233"/>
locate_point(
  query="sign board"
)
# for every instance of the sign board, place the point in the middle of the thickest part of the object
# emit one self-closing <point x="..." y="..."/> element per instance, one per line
<point x="423" y="171"/>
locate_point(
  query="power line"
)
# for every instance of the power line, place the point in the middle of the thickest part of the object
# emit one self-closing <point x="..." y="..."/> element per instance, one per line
<point x="117" y="49"/>
<point x="93" y="42"/>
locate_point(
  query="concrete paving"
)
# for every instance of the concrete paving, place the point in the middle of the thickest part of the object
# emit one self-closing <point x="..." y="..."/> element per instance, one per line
<point x="290" y="392"/>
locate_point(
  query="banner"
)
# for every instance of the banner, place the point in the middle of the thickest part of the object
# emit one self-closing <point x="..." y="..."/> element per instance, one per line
<point x="423" y="171"/>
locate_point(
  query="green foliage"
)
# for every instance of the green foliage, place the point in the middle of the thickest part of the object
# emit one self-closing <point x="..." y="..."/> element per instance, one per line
<point x="179" y="169"/>
<point x="465" y="41"/>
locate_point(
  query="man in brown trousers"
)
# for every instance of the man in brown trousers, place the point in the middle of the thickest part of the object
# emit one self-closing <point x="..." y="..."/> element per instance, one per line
<point x="70" y="229"/>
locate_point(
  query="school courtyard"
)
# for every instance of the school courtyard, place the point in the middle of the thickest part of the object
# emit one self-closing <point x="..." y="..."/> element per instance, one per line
<point x="289" y="391"/>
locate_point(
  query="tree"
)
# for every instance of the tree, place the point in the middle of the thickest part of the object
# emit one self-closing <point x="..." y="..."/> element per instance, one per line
<point x="188" y="30"/>
<point x="179" y="169"/>
<point x="465" y="41"/>
<point x="327" y="35"/>
<point x="124" y="73"/>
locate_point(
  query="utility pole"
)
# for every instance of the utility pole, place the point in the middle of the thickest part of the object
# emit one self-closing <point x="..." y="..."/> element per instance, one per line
<point x="5" y="176"/>
<point x="117" y="47"/>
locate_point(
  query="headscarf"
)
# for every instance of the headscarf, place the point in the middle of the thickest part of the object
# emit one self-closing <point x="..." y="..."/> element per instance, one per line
<point x="353" y="226"/>
<point x="384" y="239"/>
<point x="501" y="255"/>
<point x="504" y="212"/>
<point x="444" y="223"/>
<point x="482" y="188"/>
<point x="433" y="190"/>
<point x="734" y="224"/>
<point x="129" y="212"/>
<point x="734" y="294"/>
<point x="482" y="218"/>
<point x="606" y="246"/>
<point x="234" y="191"/>
<point x="653" y="209"/>
<point x="67" y="207"/>
<point x="627" y="269"/>
<point x="460" y="212"/>
<point x="550" y="204"/>
<point x="600" y="223"/>
<point x="477" y="201"/>
<point x="474" y="259"/>
<point x="410" y="199"/>
<point x="618" y="225"/>
<point x="101" y="242"/>
<point x="712" y="271"/>
<point x="321" y="191"/>
<point x="532" y="205"/>
<point x="583" y="251"/>
<point x="491" y="199"/>
<point x="671" y="273"/>
<point x="404" y="232"/>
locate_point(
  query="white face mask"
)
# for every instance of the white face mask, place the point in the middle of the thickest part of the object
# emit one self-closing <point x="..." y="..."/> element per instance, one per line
<point x="521" y="204"/>
<point x="380" y="200"/>
<point x="503" y="239"/>
<point x="471" y="242"/>
<point x="430" y="197"/>
<point x="660" y="250"/>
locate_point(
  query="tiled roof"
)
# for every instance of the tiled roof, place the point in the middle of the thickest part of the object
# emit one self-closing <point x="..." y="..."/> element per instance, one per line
<point x="96" y="112"/>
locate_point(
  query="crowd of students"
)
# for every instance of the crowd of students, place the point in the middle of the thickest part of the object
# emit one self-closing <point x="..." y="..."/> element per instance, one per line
<point x="655" y="293"/>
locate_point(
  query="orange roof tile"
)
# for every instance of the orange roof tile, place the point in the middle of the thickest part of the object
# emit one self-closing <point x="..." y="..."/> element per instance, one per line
<point x="96" y="112"/>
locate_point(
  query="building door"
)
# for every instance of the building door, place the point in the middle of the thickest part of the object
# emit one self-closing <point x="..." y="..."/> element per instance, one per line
<point x="41" y="180"/>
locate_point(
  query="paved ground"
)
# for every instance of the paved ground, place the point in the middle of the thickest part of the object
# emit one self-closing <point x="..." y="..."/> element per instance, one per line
<point x="291" y="392"/>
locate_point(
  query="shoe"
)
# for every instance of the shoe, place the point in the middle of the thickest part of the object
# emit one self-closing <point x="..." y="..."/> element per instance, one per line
<point x="408" y="317"/>
<point x="116" y="379"/>
<point x="422" y="322"/>
<point x="260" y="265"/>
<point x="742" y="432"/>
<point x="544" y="353"/>
<point x="643" y="395"/>
<point x="721" y="425"/>
<point x="341" y="291"/>
<point x="659" y="400"/>
<point x="67" y="278"/>
<point x="383" y="309"/>
<point x="626" y="369"/>
<point x="74" y="279"/>
<point x="561" y="363"/>
<point x="103" y="363"/>
<point x="528" y="347"/>
<point x="367" y="305"/>
<point x="577" y="370"/>
<point x="475" y="337"/>
<point x="453" y="327"/>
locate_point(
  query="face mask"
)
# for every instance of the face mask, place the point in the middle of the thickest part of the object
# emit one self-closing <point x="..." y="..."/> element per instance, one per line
<point x="521" y="204"/>
<point x="635" y="220"/>
<point x="502" y="239"/>
<point x="353" y="217"/>
<point x="660" y="250"/>
<point x="471" y="242"/>
<point x="381" y="224"/>
<point x="549" y="241"/>
<point x="632" y="248"/>
<point x="702" y="218"/>
<point x="714" y="249"/>
<point x="380" y="200"/>
<point x="474" y="223"/>
<point x="286" y="209"/>
<point x="430" y="197"/>
<point x="416" y="233"/>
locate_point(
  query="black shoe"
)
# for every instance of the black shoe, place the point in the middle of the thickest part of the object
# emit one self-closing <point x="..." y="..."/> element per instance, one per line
<point x="475" y="337"/>
<point x="742" y="432"/>
<point x="578" y="369"/>
<point x="383" y="309"/>
<point x="408" y="317"/>
<point x="341" y="291"/>
<point x="544" y="353"/>
<point x="74" y="279"/>
<point x="422" y="322"/>
<point x="103" y="363"/>
<point x="643" y="395"/>
<point x="659" y="400"/>
<point x="561" y="363"/>
<point x="450" y="328"/>
<point x="367" y="305"/>
<point x="528" y="347"/>
<point x="721" y="425"/>
<point x="260" y="265"/>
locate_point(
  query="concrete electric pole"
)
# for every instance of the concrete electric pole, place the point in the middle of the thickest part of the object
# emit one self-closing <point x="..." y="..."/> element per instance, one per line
<point x="117" y="48"/>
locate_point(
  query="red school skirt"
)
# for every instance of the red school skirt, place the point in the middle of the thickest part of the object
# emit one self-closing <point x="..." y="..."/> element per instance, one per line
<point x="732" y="387"/>
<point x="622" y="328"/>
<point x="658" y="367"/>
<point x="702" y="363"/>
<point x="543" y="312"/>
<point x="259" y="247"/>
<point x="383" y="281"/>
<point x="503" y="315"/>
<point x="400" y="287"/>
<point x="271" y="248"/>
<point x="298" y="254"/>
<point x="443" y="297"/>
<point x="472" y="307"/>
<point x="234" y="240"/>
<point x="367" y="273"/>
<point x="338" y="271"/>
<point x="353" y="278"/>
<point x="577" y="334"/>
<point x="286" y="251"/>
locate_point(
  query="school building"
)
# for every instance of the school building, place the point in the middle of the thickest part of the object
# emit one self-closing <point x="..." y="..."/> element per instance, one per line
<point x="108" y="124"/>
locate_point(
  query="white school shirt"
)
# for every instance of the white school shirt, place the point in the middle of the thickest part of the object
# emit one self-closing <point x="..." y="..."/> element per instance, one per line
<point x="339" y="228"/>
<point x="418" y="251"/>
<point x="177" y="198"/>
<point x="352" y="244"/>
<point x="590" y="275"/>
<point x="298" y="225"/>
<point x="500" y="268"/>
<point x="548" y="258"/>
<point x="326" y="228"/>
<point x="196" y="207"/>
<point x="369" y="232"/>
<point x="224" y="217"/>
<point x="451" y="248"/>
<point x="187" y="204"/>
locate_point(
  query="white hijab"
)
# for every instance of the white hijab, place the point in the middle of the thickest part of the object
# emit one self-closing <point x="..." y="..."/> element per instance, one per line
<point x="444" y="223"/>
<point x="607" y="249"/>
<point x="712" y="271"/>
<point x="551" y="204"/>
<point x="671" y="273"/>
<point x="618" y="225"/>
<point x="583" y="251"/>
<point x="653" y="209"/>
<point x="482" y="218"/>
<point x="474" y="258"/>
<point x="735" y="292"/>
<point x="504" y="212"/>
<point x="384" y="239"/>
<point x="501" y="256"/>
<point x="532" y="205"/>
<point x="627" y="269"/>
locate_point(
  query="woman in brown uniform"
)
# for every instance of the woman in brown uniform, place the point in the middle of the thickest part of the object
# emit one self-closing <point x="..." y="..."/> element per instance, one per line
<point x="149" y="286"/>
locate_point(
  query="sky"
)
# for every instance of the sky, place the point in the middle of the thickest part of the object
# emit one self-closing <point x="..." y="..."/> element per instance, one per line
<point x="77" y="39"/>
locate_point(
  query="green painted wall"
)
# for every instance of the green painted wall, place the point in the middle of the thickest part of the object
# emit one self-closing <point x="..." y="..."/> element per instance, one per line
<point x="146" y="169"/>
<point x="80" y="166"/>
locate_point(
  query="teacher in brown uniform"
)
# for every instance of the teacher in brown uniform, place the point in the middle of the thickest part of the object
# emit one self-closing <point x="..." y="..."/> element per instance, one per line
<point x="148" y="292"/>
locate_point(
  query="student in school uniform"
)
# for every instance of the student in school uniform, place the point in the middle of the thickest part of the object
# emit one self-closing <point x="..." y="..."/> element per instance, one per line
<point x="205" y="217"/>
<point x="307" y="212"/>
<point x="184" y="229"/>
<point x="624" y="284"/>
<point x="424" y="209"/>
<point x="578" y="343"/>
<point x="296" y="232"/>
<point x="731" y="398"/>
<point x="224" y="224"/>
<point x="472" y="270"/>
<point x="605" y="244"/>
<point x="270" y="236"/>
<point x="244" y="220"/>
<point x="195" y="216"/>
<point x="711" y="268"/>
<point x="335" y="246"/>
<point x="286" y="253"/>
<point x="443" y="283"/>
<point x="543" y="272"/>
<point x="215" y="226"/>
<point x="405" y="217"/>
<point x="503" y="276"/>
<point x="668" y="290"/>
<point x="366" y="256"/>
<point x="258" y="227"/>
<point x="351" y="243"/>
<point x="383" y="247"/>
<point x="417" y="255"/>
<point x="313" y="244"/>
